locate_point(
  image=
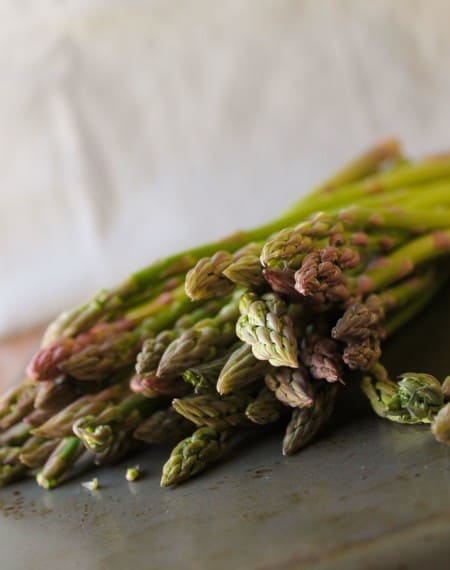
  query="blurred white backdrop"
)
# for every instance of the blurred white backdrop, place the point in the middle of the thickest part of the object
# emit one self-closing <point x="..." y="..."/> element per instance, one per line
<point x="133" y="128"/>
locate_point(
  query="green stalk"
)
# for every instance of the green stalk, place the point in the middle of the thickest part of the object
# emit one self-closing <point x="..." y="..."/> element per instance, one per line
<point x="58" y="465"/>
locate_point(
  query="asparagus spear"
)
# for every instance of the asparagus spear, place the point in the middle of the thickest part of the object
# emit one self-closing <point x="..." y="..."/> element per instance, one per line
<point x="265" y="325"/>
<point x="153" y="348"/>
<point x="291" y="386"/>
<point x="214" y="411"/>
<point x="305" y="423"/>
<point x="163" y="427"/>
<point x="194" y="454"/>
<point x="415" y="398"/>
<point x="241" y="369"/>
<point x="16" y="403"/>
<point x="203" y="377"/>
<point x="321" y="355"/>
<point x="60" y="425"/>
<point x="98" y="433"/>
<point x="265" y="409"/>
<point x="201" y="343"/>
<point x="57" y="466"/>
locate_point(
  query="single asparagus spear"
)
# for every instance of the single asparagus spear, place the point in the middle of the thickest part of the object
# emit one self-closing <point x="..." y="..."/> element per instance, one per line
<point x="98" y="433"/>
<point x="265" y="409"/>
<point x="214" y="411"/>
<point x="57" y="466"/>
<point x="60" y="425"/>
<point x="441" y="425"/>
<point x="194" y="454"/>
<point x="246" y="270"/>
<point x="265" y="325"/>
<point x="206" y="280"/>
<point x="16" y="403"/>
<point x="241" y="369"/>
<point x="291" y="386"/>
<point x="321" y="354"/>
<point x="15" y="435"/>
<point x="204" y="376"/>
<point x="36" y="454"/>
<point x="415" y="398"/>
<point x="163" y="427"/>
<point x="153" y="348"/>
<point x="307" y="422"/>
<point x="201" y="343"/>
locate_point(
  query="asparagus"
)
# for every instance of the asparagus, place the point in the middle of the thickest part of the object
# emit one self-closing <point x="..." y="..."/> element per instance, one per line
<point x="16" y="403"/>
<point x="214" y="411"/>
<point x="60" y="425"/>
<point x="245" y="269"/>
<point x="291" y="386"/>
<point x="441" y="425"/>
<point x="321" y="355"/>
<point x="265" y="409"/>
<point x="108" y="347"/>
<point x="194" y="454"/>
<point x="36" y="454"/>
<point x="200" y="343"/>
<point x="57" y="466"/>
<point x="110" y="303"/>
<point x="204" y="376"/>
<point x="265" y="325"/>
<point x="98" y="433"/>
<point x="415" y="398"/>
<point x="206" y="281"/>
<point x="305" y="423"/>
<point x="152" y="386"/>
<point x="241" y="369"/>
<point x="163" y="427"/>
<point x="153" y="348"/>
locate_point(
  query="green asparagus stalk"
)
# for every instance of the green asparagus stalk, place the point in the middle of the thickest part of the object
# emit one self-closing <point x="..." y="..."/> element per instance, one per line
<point x="153" y="348"/>
<point x="214" y="411"/>
<point x="194" y="454"/>
<point x="204" y="376"/>
<point x="305" y="423"/>
<point x="241" y="369"/>
<point x="163" y="427"/>
<point x="36" y="453"/>
<point x="265" y="325"/>
<point x="98" y="433"/>
<point x="58" y="465"/>
<point x="201" y="343"/>
<point x="415" y="398"/>
<point x="16" y="403"/>
<point x="60" y="425"/>
<point x="265" y="408"/>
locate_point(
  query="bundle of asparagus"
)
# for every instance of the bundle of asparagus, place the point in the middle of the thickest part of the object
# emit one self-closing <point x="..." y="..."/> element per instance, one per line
<point x="261" y="327"/>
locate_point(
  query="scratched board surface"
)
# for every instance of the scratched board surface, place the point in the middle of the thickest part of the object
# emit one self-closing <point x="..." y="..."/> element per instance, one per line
<point x="367" y="494"/>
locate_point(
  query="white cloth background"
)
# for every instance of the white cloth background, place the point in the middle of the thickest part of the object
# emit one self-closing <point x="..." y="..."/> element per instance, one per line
<point x="130" y="128"/>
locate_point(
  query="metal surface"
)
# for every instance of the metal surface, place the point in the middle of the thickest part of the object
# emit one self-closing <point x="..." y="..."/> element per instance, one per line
<point x="368" y="494"/>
